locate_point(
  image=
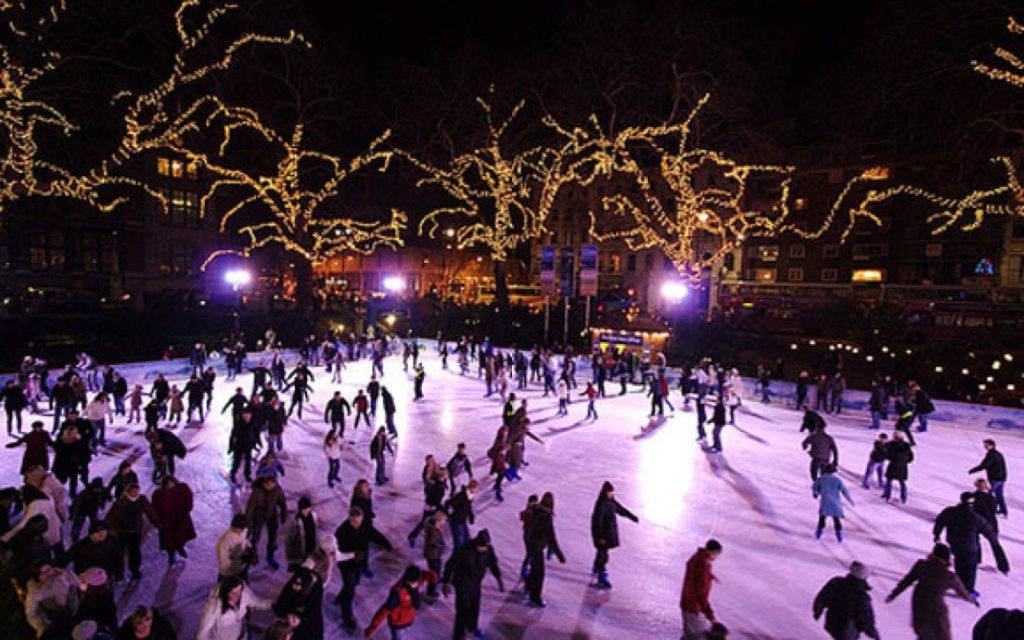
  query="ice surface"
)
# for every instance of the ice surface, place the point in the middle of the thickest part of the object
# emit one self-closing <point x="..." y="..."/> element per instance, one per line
<point x="755" y="498"/>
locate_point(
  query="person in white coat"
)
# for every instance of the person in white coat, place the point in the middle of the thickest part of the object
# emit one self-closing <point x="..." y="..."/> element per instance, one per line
<point x="38" y="503"/>
<point x="51" y="600"/>
<point x="226" y="613"/>
<point x="46" y="482"/>
<point x="233" y="549"/>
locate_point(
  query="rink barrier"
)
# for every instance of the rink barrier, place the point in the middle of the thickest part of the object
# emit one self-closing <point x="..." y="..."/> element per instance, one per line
<point x="968" y="414"/>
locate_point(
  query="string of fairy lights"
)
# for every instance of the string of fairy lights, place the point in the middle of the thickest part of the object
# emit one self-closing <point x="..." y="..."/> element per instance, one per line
<point x="993" y="373"/>
<point x="692" y="203"/>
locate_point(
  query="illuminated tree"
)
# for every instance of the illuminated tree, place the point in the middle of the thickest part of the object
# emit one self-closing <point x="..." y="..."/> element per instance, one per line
<point x="293" y="203"/>
<point x="690" y="203"/>
<point x="152" y="120"/>
<point x="1013" y="71"/>
<point x="506" y="196"/>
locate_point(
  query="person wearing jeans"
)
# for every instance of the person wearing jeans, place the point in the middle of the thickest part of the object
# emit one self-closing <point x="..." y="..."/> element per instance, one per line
<point x="994" y="466"/>
<point x="876" y="461"/>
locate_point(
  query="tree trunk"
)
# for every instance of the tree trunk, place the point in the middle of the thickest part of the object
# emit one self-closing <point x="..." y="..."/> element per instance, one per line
<point x="501" y="284"/>
<point x="303" y="287"/>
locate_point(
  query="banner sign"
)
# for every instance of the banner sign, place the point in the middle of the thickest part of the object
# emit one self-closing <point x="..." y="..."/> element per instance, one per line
<point x="621" y="338"/>
<point x="567" y="273"/>
<point x="547" y="271"/>
<point x="588" y="270"/>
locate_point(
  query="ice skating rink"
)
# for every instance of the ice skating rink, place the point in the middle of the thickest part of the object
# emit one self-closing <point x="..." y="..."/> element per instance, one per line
<point x="755" y="498"/>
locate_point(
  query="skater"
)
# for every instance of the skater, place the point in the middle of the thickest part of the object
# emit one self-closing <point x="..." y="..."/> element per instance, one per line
<point x="591" y="393"/>
<point x="433" y="501"/>
<point x="837" y="387"/>
<point x="241" y="442"/>
<point x="604" y="531"/>
<point x="878" y="403"/>
<point x="930" y="617"/>
<point x="563" y="397"/>
<point x="812" y="421"/>
<point x="540" y="540"/>
<point x="37" y="447"/>
<point x="266" y="508"/>
<point x="276" y="421"/>
<point x="269" y="466"/>
<point x="718" y="419"/>
<point x="353" y="548"/>
<point x="100" y="548"/>
<point x="900" y="455"/>
<point x="195" y="392"/>
<point x="418" y="382"/>
<point x="695" y="601"/>
<point x="434" y="545"/>
<point x="135" y="405"/>
<point x="904" y="418"/>
<point x="994" y="466"/>
<point x="388" y="403"/>
<point x="226" y="614"/>
<point x="963" y="526"/>
<point x="301" y="537"/>
<point x="335" y="411"/>
<point x="849" y="605"/>
<point x="175" y="406"/>
<point x="378" y="447"/>
<point x="876" y="461"/>
<point x="86" y="506"/>
<point x="702" y="417"/>
<point x="234" y="551"/>
<point x="124" y="478"/>
<point x="373" y="392"/>
<point x="803" y="383"/>
<point x="172" y="504"/>
<point x="13" y="397"/>
<point x="301" y="379"/>
<point x="301" y="603"/>
<point x="208" y="379"/>
<point x="984" y="504"/>
<point x="71" y="459"/>
<point x="458" y="464"/>
<point x="829" y="487"/>
<point x="332" y="450"/>
<point x="822" y="449"/>
<point x="125" y="519"/>
<point x="1000" y="624"/>
<point x="466" y="569"/>
<point x="923" y="406"/>
<point x="498" y="454"/>
<point x="361" y="408"/>
<point x="460" y="513"/>
<point x="404" y="599"/>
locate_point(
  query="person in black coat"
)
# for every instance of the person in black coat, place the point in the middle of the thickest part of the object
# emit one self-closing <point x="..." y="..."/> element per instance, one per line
<point x="540" y="539"/>
<point x="604" y="530"/>
<point x="86" y="506"/>
<point x="335" y="411"/>
<point x="388" y="403"/>
<point x="899" y="454"/>
<point x="848" y="604"/>
<point x="240" y="444"/>
<point x="173" y="447"/>
<point x="963" y="526"/>
<point x="14" y="403"/>
<point x="1000" y="624"/>
<point x="146" y="623"/>
<point x="984" y="504"/>
<point x="812" y="421"/>
<point x="994" y="466"/>
<point x="466" y="569"/>
<point x="354" y="545"/>
<point x="195" y="392"/>
<point x="100" y="548"/>
<point x="302" y="596"/>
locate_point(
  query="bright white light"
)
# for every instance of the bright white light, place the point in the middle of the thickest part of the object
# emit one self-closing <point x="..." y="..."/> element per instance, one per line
<point x="1008" y="357"/>
<point x="996" y="364"/>
<point x="938" y="369"/>
<point x="390" y="319"/>
<point x="674" y="291"/>
<point x="237" y="277"/>
<point x="394" y="283"/>
<point x="965" y="371"/>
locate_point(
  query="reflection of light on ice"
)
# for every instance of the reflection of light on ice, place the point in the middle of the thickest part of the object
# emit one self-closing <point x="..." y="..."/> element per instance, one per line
<point x="447" y="419"/>
<point x="667" y="477"/>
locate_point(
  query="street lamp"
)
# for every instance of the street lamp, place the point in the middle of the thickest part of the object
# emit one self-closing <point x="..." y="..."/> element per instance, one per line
<point x="394" y="284"/>
<point x="237" y="278"/>
<point x="674" y="291"/>
<point x="449" y="232"/>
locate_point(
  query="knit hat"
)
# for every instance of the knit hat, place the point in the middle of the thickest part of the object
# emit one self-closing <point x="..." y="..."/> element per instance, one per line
<point x="94" y="577"/>
<point x="84" y="630"/>
<point x="606" y="487"/>
<point x="304" y="503"/>
<point x="482" y="538"/>
<point x="941" y="552"/>
<point x="859" y="571"/>
<point x="97" y="525"/>
<point x="412" y="573"/>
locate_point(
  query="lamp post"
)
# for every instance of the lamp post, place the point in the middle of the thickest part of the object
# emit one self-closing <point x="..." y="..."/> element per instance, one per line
<point x="237" y="278"/>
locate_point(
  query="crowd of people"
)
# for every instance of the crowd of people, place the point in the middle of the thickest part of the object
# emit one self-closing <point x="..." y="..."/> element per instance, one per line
<point x="67" y="582"/>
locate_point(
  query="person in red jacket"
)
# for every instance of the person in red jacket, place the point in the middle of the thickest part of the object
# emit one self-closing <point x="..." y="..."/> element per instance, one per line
<point x="695" y="601"/>
<point x="403" y="601"/>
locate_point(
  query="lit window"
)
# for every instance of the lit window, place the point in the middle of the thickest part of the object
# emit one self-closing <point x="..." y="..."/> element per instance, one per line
<point x="868" y="275"/>
<point x="192" y="170"/>
<point x="177" y="168"/>
<point x="768" y="253"/>
<point x="764" y="275"/>
<point x="163" y="166"/>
